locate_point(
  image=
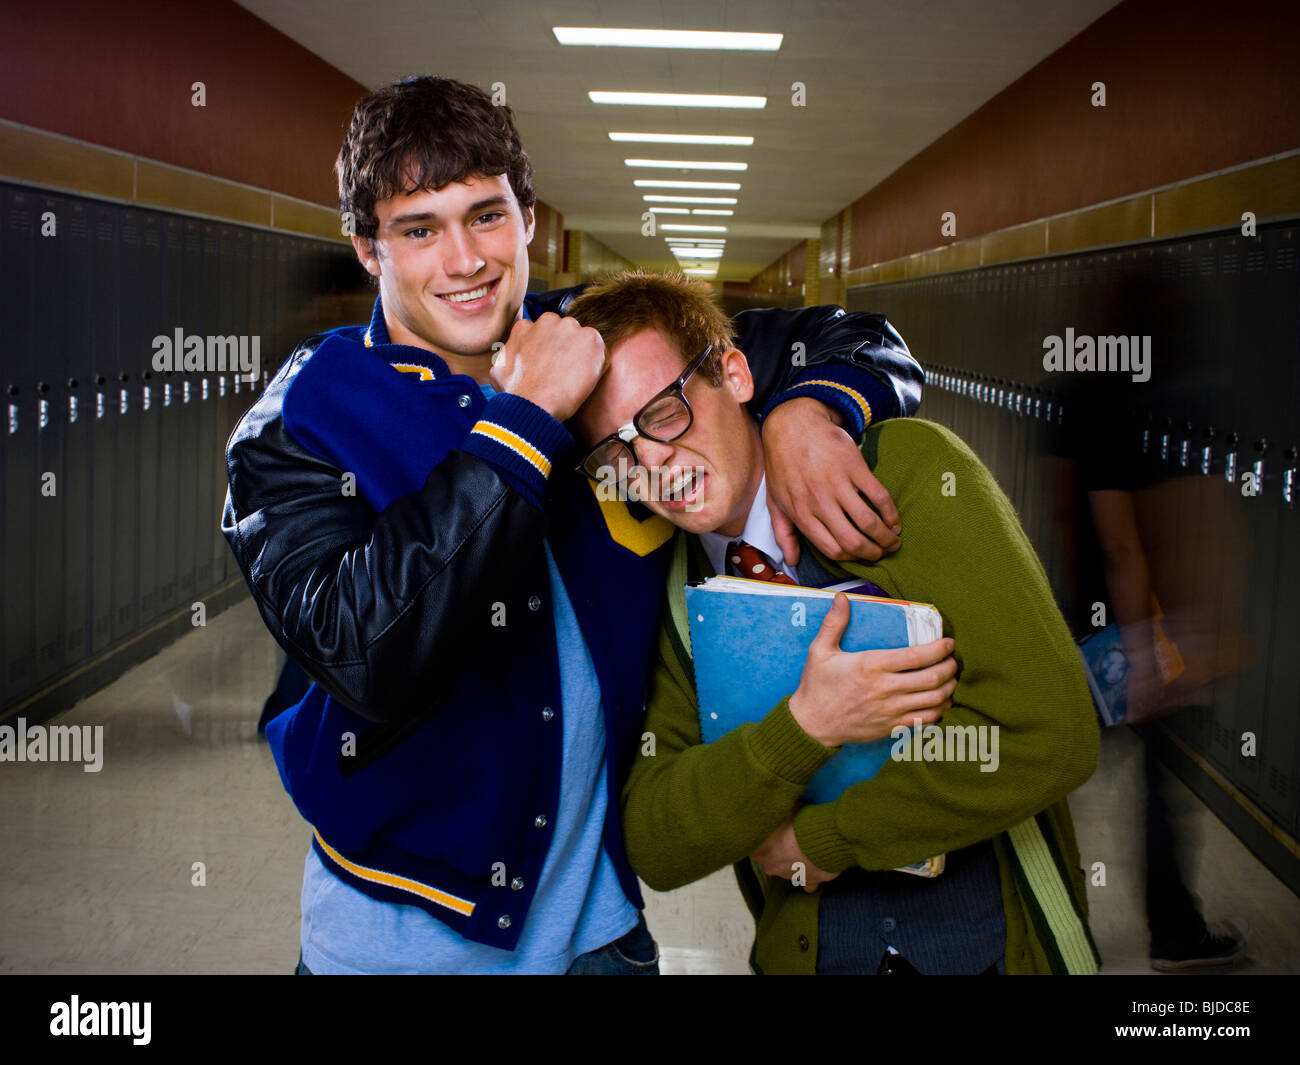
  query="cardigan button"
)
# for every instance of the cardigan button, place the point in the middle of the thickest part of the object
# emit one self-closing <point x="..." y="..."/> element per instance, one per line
<point x="539" y="821"/>
<point x="803" y="943"/>
<point x="517" y="884"/>
<point x="534" y="603"/>
<point x="503" y="922"/>
<point x="463" y="400"/>
<point x="888" y="924"/>
<point x="547" y="713"/>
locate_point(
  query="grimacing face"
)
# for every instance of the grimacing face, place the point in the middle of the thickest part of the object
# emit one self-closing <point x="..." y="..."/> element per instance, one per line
<point x="721" y="454"/>
<point x="452" y="265"/>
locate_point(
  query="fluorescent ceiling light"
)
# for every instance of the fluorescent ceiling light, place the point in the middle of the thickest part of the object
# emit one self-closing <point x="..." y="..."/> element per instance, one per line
<point x="685" y="164"/>
<point x="721" y="186"/>
<point x="681" y="138"/>
<point x="620" y="38"/>
<point x="703" y="272"/>
<point x="669" y="210"/>
<point x="675" y="99"/>
<point x="694" y="229"/>
<point x="698" y="253"/>
<point x="654" y="198"/>
<point x="710" y="210"/>
<point x="696" y="240"/>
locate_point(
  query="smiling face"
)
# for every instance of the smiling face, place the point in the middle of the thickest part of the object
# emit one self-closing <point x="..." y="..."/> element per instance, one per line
<point x="723" y="442"/>
<point x="452" y="265"/>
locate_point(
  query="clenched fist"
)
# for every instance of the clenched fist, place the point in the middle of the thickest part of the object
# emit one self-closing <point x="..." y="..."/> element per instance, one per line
<point x="553" y="362"/>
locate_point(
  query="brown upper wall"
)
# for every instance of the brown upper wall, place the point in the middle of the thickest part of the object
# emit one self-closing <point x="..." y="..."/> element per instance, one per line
<point x="789" y="272"/>
<point x="546" y="246"/>
<point x="120" y="75"/>
<point x="1192" y="86"/>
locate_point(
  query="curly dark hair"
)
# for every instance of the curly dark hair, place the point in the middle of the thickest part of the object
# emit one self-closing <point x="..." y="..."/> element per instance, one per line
<point x="425" y="132"/>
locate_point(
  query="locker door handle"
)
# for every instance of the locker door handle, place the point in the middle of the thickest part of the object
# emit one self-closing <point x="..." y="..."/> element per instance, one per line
<point x="1257" y="466"/>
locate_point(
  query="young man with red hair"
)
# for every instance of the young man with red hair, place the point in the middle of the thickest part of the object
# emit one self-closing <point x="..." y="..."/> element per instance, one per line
<point x="823" y="878"/>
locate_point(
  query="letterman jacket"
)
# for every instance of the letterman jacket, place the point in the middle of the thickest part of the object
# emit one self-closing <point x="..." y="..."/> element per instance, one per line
<point x="390" y="521"/>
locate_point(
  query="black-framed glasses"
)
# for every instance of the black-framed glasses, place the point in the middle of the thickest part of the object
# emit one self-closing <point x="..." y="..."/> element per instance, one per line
<point x="665" y="418"/>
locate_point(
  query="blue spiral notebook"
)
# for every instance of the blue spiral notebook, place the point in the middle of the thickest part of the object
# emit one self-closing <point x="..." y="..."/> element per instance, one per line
<point x="749" y="640"/>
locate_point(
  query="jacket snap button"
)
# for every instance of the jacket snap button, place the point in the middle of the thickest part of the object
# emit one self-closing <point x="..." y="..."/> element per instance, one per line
<point x="803" y="942"/>
<point x="517" y="884"/>
<point x="547" y="713"/>
<point x="503" y="921"/>
<point x="540" y="821"/>
<point x="463" y="400"/>
<point x="534" y="603"/>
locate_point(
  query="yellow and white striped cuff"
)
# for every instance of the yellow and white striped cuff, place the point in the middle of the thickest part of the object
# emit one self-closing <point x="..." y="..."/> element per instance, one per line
<point x="515" y="443"/>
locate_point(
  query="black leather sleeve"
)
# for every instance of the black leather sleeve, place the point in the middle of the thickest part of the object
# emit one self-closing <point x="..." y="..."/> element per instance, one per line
<point x="826" y="334"/>
<point x="368" y="603"/>
<point x="868" y="342"/>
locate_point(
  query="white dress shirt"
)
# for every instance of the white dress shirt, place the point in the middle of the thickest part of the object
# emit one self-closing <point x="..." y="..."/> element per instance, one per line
<point x="758" y="533"/>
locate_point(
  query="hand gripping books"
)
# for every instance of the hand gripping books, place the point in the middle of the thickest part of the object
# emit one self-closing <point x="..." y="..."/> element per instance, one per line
<point x="749" y="640"/>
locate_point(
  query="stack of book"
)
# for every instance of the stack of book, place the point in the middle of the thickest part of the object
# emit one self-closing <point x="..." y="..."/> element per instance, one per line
<point x="749" y="640"/>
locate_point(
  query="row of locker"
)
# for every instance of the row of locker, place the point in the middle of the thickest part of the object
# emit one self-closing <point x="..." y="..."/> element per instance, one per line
<point x="1206" y="450"/>
<point x="113" y="473"/>
<point x="1221" y="313"/>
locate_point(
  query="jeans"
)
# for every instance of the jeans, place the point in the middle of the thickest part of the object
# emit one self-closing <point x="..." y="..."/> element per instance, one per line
<point x="634" y="954"/>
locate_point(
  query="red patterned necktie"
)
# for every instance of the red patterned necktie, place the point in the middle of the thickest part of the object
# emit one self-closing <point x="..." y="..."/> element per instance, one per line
<point x="746" y="560"/>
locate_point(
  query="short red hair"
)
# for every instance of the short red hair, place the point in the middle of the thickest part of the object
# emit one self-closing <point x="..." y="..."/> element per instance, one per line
<point x="683" y="310"/>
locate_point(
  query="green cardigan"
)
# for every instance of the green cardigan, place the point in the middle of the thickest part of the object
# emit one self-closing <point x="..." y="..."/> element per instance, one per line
<point x="689" y="808"/>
